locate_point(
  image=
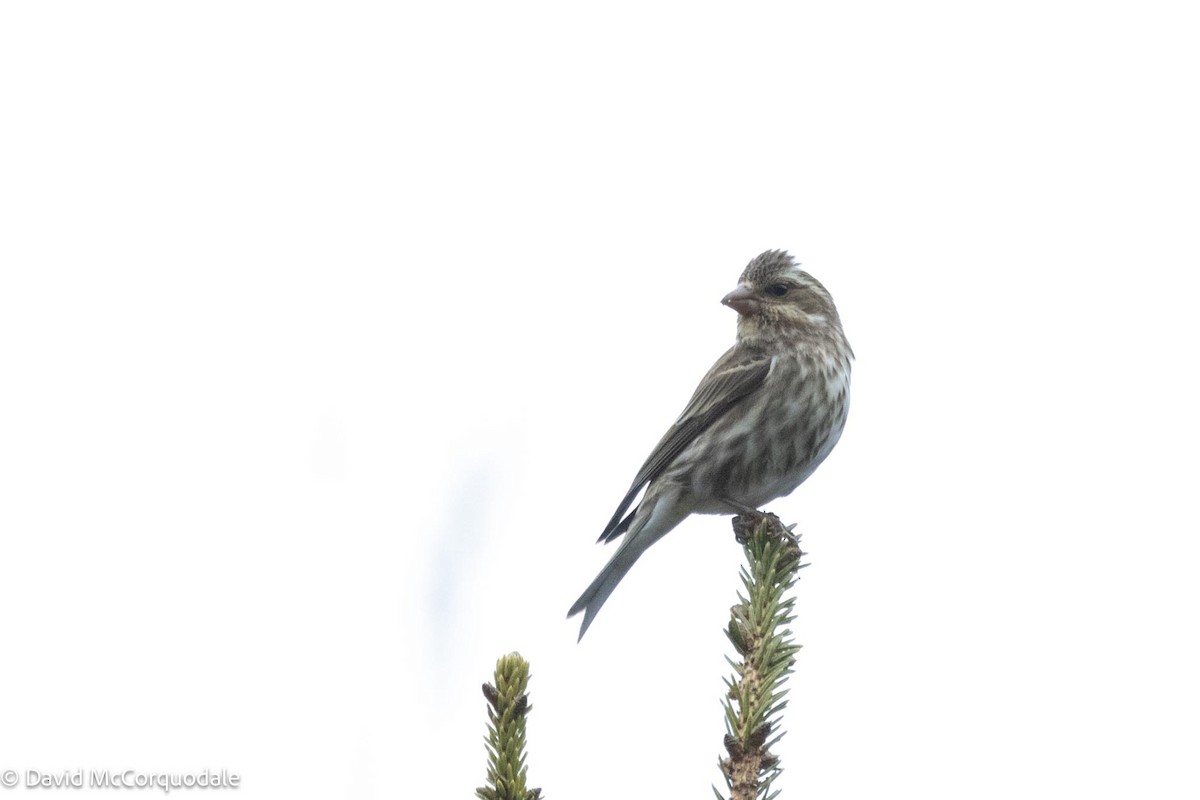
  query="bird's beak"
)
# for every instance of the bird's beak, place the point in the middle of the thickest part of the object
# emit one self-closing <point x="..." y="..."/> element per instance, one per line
<point x="741" y="300"/>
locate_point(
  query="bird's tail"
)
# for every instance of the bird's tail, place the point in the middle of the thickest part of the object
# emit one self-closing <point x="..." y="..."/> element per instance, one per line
<point x="652" y="521"/>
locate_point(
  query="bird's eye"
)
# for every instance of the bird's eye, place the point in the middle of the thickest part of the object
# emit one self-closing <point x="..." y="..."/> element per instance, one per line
<point x="777" y="289"/>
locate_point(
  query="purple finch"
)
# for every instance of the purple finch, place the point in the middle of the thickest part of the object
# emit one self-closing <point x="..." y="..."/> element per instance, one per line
<point x="763" y="418"/>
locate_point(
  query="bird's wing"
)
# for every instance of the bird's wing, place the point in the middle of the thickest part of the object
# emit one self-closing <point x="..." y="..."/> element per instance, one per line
<point x="735" y="376"/>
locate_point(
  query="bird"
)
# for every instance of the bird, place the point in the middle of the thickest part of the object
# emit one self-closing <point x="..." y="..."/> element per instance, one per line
<point x="766" y="415"/>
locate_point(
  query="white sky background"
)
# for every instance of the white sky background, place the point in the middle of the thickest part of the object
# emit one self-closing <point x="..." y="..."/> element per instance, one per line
<point x="331" y="335"/>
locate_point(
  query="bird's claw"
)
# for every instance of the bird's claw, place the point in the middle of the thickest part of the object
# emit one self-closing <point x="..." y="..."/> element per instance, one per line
<point x="745" y="523"/>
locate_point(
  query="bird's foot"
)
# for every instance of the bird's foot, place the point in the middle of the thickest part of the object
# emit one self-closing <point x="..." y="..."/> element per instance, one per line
<point x="748" y="520"/>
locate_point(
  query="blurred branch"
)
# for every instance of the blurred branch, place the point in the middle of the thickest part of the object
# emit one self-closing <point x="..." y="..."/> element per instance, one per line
<point x="757" y="630"/>
<point x="507" y="707"/>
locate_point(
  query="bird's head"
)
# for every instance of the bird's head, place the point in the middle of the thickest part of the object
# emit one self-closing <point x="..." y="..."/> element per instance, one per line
<point x="774" y="298"/>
